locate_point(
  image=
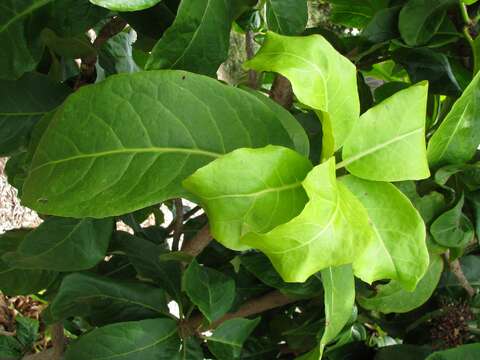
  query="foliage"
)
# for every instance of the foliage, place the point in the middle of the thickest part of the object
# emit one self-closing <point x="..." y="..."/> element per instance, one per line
<point x="336" y="218"/>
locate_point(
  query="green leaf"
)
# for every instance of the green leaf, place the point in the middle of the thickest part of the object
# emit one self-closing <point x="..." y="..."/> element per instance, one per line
<point x="339" y="287"/>
<point x="20" y="282"/>
<point x="116" y="55"/>
<point x="26" y="331"/>
<point x="158" y="129"/>
<point x="19" y="43"/>
<point x="392" y="298"/>
<point x="155" y="339"/>
<point x="227" y="340"/>
<point x="403" y="352"/>
<point x="464" y="352"/>
<point x="287" y="17"/>
<point x="458" y="136"/>
<point x="10" y="348"/>
<point x="22" y="104"/>
<point x="399" y="248"/>
<point x="63" y="244"/>
<point x="318" y="74"/>
<point x="125" y="5"/>
<point x="250" y="190"/>
<point x="105" y="300"/>
<point x="383" y="26"/>
<point x="453" y="229"/>
<point x="212" y="291"/>
<point x="191" y="350"/>
<point x="68" y="47"/>
<point x="331" y="230"/>
<point x="388" y="143"/>
<point x="260" y="266"/>
<point x="469" y="2"/>
<point x="420" y="19"/>
<point x="429" y="205"/>
<point x="355" y="14"/>
<point x="204" y="26"/>
<point x="471" y="269"/>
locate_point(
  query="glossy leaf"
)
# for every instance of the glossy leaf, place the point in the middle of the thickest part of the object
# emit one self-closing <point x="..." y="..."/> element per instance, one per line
<point x="457" y="138"/>
<point x="204" y="26"/>
<point x="464" y="352"/>
<point x="212" y="291"/>
<point x="420" y="19"/>
<point x="22" y="103"/>
<point x="158" y="129"/>
<point x="287" y="17"/>
<point x="392" y="298"/>
<point x="63" y="244"/>
<point x="125" y="5"/>
<point x="453" y="228"/>
<point x="355" y="14"/>
<point x="388" y="143"/>
<point x="339" y="298"/>
<point x="20" y="282"/>
<point x="155" y="339"/>
<point x="104" y="300"/>
<point x="331" y="230"/>
<point x="227" y="340"/>
<point x="250" y="190"/>
<point x="318" y="74"/>
<point x="399" y="248"/>
<point x="383" y="26"/>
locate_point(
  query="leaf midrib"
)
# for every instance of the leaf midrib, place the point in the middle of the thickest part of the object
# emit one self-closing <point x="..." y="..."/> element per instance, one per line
<point x="258" y="193"/>
<point x="25" y="12"/>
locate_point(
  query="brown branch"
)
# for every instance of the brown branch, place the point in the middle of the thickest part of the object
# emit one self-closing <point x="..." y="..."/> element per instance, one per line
<point x="186" y="216"/>
<point x="44" y="355"/>
<point x="87" y="68"/>
<point x="178" y="228"/>
<point x="282" y="92"/>
<point x="199" y="242"/>
<point x="252" y="307"/>
<point x="250" y="50"/>
<point x="456" y="269"/>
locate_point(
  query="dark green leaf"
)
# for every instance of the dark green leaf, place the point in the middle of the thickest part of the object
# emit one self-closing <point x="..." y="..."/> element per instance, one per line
<point x="104" y="300"/>
<point x="465" y="352"/>
<point x="63" y="244"/>
<point x="287" y="17"/>
<point x="388" y="89"/>
<point x="155" y="339"/>
<point x="22" y="104"/>
<point x="191" y="350"/>
<point x="453" y="229"/>
<point x="10" y="348"/>
<point x="180" y="122"/>
<point x="68" y="47"/>
<point x="383" y="25"/>
<point x="212" y="291"/>
<point x="227" y="340"/>
<point x="355" y="14"/>
<point x="27" y="331"/>
<point x="471" y="268"/>
<point x="402" y="352"/>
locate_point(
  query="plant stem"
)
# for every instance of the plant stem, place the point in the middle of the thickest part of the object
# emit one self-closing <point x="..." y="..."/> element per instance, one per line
<point x="199" y="242"/>
<point x="282" y="92"/>
<point x="186" y="216"/>
<point x="58" y="340"/>
<point x="456" y="270"/>
<point x="468" y="36"/>
<point x="250" y="50"/>
<point x="464" y="12"/>
<point x="178" y="229"/>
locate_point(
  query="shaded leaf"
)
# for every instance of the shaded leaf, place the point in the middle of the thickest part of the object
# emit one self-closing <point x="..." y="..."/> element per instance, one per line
<point x="318" y="74"/>
<point x="392" y="298"/>
<point x="227" y="340"/>
<point x="158" y="129"/>
<point x="458" y="136"/>
<point x="155" y="339"/>
<point x="116" y="54"/>
<point x="402" y="352"/>
<point x="212" y="291"/>
<point x="388" y="143"/>
<point x="250" y="190"/>
<point x="287" y="17"/>
<point x="355" y="14"/>
<point x="68" y="47"/>
<point x="63" y="244"/>
<point x="104" y="300"/>
<point x="125" y="5"/>
<point x="383" y="26"/>
<point x="464" y="352"/>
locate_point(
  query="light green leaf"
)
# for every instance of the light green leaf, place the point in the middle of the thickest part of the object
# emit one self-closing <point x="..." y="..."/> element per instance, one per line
<point x="155" y="339"/>
<point x="22" y="103"/>
<point x="227" y="340"/>
<point x="125" y="5"/>
<point x="331" y="230"/>
<point x="321" y="78"/>
<point x="469" y="2"/>
<point x="20" y="282"/>
<point x="212" y="291"/>
<point x="158" y="128"/>
<point x="388" y="143"/>
<point x="339" y="287"/>
<point x="453" y="228"/>
<point x="198" y="40"/>
<point x="250" y="190"/>
<point x="63" y="244"/>
<point x="287" y="17"/>
<point x="392" y="298"/>
<point x="420" y="20"/>
<point x="399" y="248"/>
<point x="104" y="300"/>
<point x="464" y="352"/>
<point x="19" y="41"/>
<point x="357" y="13"/>
<point x="458" y="136"/>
